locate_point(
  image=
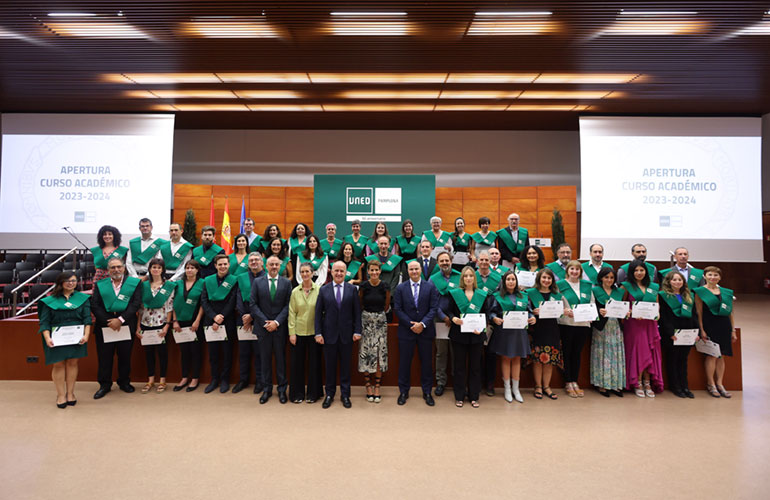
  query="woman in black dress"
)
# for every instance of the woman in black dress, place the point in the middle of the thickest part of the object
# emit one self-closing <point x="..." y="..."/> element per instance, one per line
<point x="677" y="308"/>
<point x="546" y="339"/>
<point x="188" y="313"/>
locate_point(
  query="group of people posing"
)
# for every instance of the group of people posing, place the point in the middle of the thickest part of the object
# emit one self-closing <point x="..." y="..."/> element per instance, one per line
<point x="453" y="295"/>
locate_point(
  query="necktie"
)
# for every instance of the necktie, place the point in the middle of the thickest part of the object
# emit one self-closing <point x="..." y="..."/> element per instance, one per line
<point x="425" y="267"/>
<point x="339" y="295"/>
<point x="416" y="293"/>
<point x="272" y="288"/>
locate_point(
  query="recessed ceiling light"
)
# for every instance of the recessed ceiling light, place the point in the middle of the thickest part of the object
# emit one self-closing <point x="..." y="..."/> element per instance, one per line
<point x="367" y="14"/>
<point x="491" y="77"/>
<point x="546" y="107"/>
<point x="586" y="77"/>
<point x="153" y="78"/>
<point x="284" y="107"/>
<point x="659" y="28"/>
<point x="522" y="13"/>
<point x="471" y="107"/>
<point x="180" y="94"/>
<point x="263" y="77"/>
<point x="96" y="29"/>
<point x="389" y="94"/>
<point x="267" y="94"/>
<point x="230" y="27"/>
<point x="568" y="94"/>
<point x="480" y="94"/>
<point x="378" y="107"/>
<point x="377" y="77"/>
<point x="369" y="28"/>
<point x="761" y="28"/>
<point x="211" y="107"/>
<point x="655" y="13"/>
<point x="506" y="27"/>
<point x="71" y="14"/>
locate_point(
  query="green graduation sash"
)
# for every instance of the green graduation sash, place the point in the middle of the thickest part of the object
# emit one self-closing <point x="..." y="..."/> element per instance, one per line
<point x="331" y="249"/>
<point x="263" y="243"/>
<point x="284" y="263"/>
<point x="185" y="307"/>
<point x="462" y="241"/>
<point x="256" y="245"/>
<point x="591" y="271"/>
<point x="602" y="297"/>
<point x="493" y="280"/>
<point x="100" y="262"/>
<point x="150" y="301"/>
<point x="358" y="246"/>
<point x="297" y="247"/>
<point x="408" y="246"/>
<point x="500" y="269"/>
<point x="389" y="264"/>
<point x="514" y="246"/>
<point x="62" y="303"/>
<point x="173" y="261"/>
<point x="244" y="285"/>
<point x="489" y="240"/>
<point x="372" y="244"/>
<point x="694" y="276"/>
<point x="235" y="267"/>
<point x="522" y="268"/>
<point x="316" y="261"/>
<point x="352" y="269"/>
<point x="507" y="305"/>
<point x="557" y="269"/>
<point x="650" y="269"/>
<point x="466" y="306"/>
<point x="443" y="285"/>
<point x="537" y="298"/>
<point x="140" y="257"/>
<point x="217" y="292"/>
<point x="649" y="295"/>
<point x="567" y="291"/>
<point x="437" y="242"/>
<point x="719" y="306"/>
<point x="204" y="259"/>
<point x="117" y="303"/>
<point x="681" y="310"/>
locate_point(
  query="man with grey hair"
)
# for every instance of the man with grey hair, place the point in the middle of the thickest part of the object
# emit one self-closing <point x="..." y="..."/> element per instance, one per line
<point x="439" y="239"/>
<point x="248" y="350"/>
<point x="692" y="276"/>
<point x="511" y="240"/>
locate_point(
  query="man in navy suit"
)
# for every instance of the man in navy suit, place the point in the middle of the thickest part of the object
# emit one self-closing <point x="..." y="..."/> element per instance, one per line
<point x="415" y="328"/>
<point x="337" y="326"/>
<point x="269" y="308"/>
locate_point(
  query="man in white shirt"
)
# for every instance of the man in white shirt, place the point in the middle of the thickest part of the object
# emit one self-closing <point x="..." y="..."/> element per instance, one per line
<point x="140" y="250"/>
<point x="248" y="229"/>
<point x="175" y="253"/>
<point x="591" y="269"/>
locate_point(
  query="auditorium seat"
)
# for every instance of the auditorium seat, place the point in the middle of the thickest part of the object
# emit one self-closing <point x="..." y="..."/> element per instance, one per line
<point x="59" y="266"/>
<point x="6" y="276"/>
<point x="25" y="275"/>
<point x="37" y="291"/>
<point x="49" y="277"/>
<point x="25" y="266"/>
<point x="13" y="257"/>
<point x="36" y="258"/>
<point x="7" y="266"/>
<point x="88" y="257"/>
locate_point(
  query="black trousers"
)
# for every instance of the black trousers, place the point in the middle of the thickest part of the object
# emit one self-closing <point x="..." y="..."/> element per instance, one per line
<point x="573" y="338"/>
<point x="338" y="354"/>
<point x="305" y="352"/>
<point x="273" y="344"/>
<point x="105" y="354"/>
<point x="192" y="353"/>
<point x="405" y="353"/>
<point x="221" y="354"/>
<point x="676" y="363"/>
<point x="467" y="360"/>
<point x="248" y="357"/>
<point x="150" y="352"/>
<point x="489" y="367"/>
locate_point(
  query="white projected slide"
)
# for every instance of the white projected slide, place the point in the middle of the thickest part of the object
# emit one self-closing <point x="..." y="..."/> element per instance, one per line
<point x="669" y="182"/>
<point x="81" y="172"/>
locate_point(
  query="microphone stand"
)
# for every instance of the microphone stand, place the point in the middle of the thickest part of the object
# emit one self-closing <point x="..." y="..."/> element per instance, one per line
<point x="75" y="237"/>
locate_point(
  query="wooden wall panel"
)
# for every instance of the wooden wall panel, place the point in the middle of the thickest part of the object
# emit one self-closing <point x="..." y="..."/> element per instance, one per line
<point x="194" y="190"/>
<point x="449" y="205"/>
<point x="481" y="193"/>
<point x="516" y="193"/>
<point x="449" y="194"/>
<point x="509" y="206"/>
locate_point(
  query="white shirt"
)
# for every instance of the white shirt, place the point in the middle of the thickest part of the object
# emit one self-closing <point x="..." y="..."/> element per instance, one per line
<point x="135" y="269"/>
<point x="251" y="237"/>
<point x="179" y="272"/>
<point x="598" y="268"/>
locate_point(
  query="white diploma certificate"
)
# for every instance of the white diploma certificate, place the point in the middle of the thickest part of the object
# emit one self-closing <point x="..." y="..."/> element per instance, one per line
<point x="708" y="347"/>
<point x="475" y="322"/>
<point x="617" y="308"/>
<point x="551" y="309"/>
<point x="185" y="335"/>
<point x="585" y="312"/>
<point x="152" y="337"/>
<point x="244" y="334"/>
<point x="460" y="258"/>
<point x="526" y="278"/>
<point x="686" y="337"/>
<point x="111" y="335"/>
<point x="66" y="335"/>
<point x="645" y="310"/>
<point x="215" y="336"/>
<point x="442" y="331"/>
<point x="515" y="320"/>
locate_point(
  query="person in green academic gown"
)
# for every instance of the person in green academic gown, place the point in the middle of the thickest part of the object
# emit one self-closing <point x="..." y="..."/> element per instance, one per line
<point x="563" y="257"/>
<point x="155" y="316"/>
<point x="693" y="277"/>
<point x="392" y="265"/>
<point x="407" y="242"/>
<point x="255" y="240"/>
<point x="205" y="253"/>
<point x="511" y="240"/>
<point x="109" y="239"/>
<point x="531" y="259"/>
<point x="357" y="239"/>
<point x="591" y="268"/>
<point x="65" y="307"/>
<point x="445" y="279"/>
<point x="175" y="252"/>
<point x="331" y="244"/>
<point x="297" y="241"/>
<point x="353" y="266"/>
<point x="638" y="252"/>
<point x="380" y="229"/>
<point x="462" y="242"/>
<point x="278" y="249"/>
<point x="141" y="249"/>
<point x="271" y="231"/>
<point x="239" y="259"/>
<point x="440" y="240"/>
<point x="484" y="239"/>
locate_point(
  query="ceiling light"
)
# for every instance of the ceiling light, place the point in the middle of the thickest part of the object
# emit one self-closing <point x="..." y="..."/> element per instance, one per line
<point x="656" y="13"/>
<point x="491" y="77"/>
<point x="471" y="107"/>
<point x="761" y="28"/>
<point x="226" y="27"/>
<point x="370" y="28"/>
<point x="522" y="13"/>
<point x="264" y="77"/>
<point x="505" y="27"/>
<point x="154" y="78"/>
<point x="267" y="94"/>
<point x="285" y="107"/>
<point x="377" y="77"/>
<point x="659" y="28"/>
<point x="389" y="94"/>
<point x="71" y="14"/>
<point x="367" y="14"/>
<point x="181" y="94"/>
<point x="480" y="94"/>
<point x="547" y="107"/>
<point x="586" y="77"/>
<point x="96" y="29"/>
<point x="211" y="107"/>
<point x="568" y="94"/>
<point x="378" y="107"/>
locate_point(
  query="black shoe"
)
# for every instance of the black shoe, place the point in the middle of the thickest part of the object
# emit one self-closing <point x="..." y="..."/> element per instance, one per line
<point x="61" y="405"/>
<point x="491" y="391"/>
<point x="282" y="397"/>
<point x="440" y="390"/>
<point x="402" y="398"/>
<point x="327" y="402"/>
<point x="604" y="393"/>
<point x="241" y="385"/>
<point x="127" y="388"/>
<point x="346" y="401"/>
<point x="179" y="387"/>
<point x="257" y="388"/>
<point x="265" y="396"/>
<point x="101" y="392"/>
<point x="191" y="388"/>
<point x="617" y="393"/>
<point x="428" y="399"/>
<point x="679" y="394"/>
<point x="688" y="393"/>
<point x="224" y="386"/>
<point x="72" y="403"/>
<point x="213" y="385"/>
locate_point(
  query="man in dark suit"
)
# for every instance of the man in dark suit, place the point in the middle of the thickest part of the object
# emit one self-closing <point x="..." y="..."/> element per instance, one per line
<point x="337" y="326"/>
<point x="248" y="350"/>
<point x="114" y="303"/>
<point x="415" y="328"/>
<point x="218" y="303"/>
<point x="269" y="307"/>
<point x="427" y="263"/>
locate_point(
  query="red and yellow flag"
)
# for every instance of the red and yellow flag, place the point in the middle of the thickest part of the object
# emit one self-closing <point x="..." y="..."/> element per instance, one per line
<point x="227" y="241"/>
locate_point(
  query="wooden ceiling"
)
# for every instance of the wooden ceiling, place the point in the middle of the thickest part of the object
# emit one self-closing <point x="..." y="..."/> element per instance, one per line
<point x="711" y="68"/>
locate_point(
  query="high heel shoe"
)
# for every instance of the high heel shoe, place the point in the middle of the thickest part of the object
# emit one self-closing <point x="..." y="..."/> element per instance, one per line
<point x="61" y="406"/>
<point x="648" y="389"/>
<point x="723" y="392"/>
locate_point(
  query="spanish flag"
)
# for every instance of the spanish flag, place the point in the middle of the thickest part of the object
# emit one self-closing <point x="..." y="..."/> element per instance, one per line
<point x="226" y="241"/>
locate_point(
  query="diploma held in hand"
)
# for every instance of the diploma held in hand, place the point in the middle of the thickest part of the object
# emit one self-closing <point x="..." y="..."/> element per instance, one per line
<point x="617" y="308"/>
<point x="244" y="334"/>
<point x="515" y="320"/>
<point x="460" y="258"/>
<point x="584" y="312"/>
<point x="66" y="335"/>
<point x="686" y="337"/>
<point x="645" y="310"/>
<point x="215" y="335"/>
<point x="551" y="309"/>
<point x="526" y="278"/>
<point x="185" y="335"/>
<point x="473" y="323"/>
<point x="151" y="337"/>
<point x="709" y="348"/>
<point x="111" y="335"/>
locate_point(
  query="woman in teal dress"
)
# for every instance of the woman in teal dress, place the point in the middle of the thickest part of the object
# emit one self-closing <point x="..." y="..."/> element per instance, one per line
<point x="65" y="307"/>
<point x="109" y="239"/>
